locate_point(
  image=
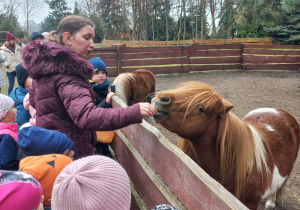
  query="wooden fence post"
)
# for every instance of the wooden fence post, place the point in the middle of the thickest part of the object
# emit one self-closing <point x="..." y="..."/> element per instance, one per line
<point x="242" y="54"/>
<point x="119" y="54"/>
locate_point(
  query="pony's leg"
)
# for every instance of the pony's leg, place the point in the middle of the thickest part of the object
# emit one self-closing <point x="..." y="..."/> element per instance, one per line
<point x="279" y="193"/>
<point x="270" y="204"/>
<point x="274" y="199"/>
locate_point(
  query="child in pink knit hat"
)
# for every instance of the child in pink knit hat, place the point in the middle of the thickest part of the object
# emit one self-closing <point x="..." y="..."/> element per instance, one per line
<point x="93" y="182"/>
<point x="8" y="135"/>
<point x="20" y="190"/>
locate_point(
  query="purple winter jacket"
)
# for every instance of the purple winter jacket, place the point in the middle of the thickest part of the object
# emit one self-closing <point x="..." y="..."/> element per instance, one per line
<point x="63" y="97"/>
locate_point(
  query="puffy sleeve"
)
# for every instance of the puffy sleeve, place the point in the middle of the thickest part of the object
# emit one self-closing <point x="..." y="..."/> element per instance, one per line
<point x="75" y="93"/>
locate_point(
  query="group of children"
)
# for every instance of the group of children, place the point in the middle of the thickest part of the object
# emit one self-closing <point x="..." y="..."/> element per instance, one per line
<point x="32" y="158"/>
<point x="37" y="170"/>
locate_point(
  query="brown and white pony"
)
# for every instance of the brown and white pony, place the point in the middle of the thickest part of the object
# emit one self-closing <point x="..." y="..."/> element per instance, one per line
<point x="252" y="158"/>
<point x="138" y="86"/>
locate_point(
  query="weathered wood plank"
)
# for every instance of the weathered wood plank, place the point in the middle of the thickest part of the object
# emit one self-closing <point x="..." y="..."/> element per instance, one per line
<point x="155" y="54"/>
<point x="273" y="46"/>
<point x="216" y="60"/>
<point x="150" y="187"/>
<point x="270" y="59"/>
<point x="271" y="52"/>
<point x="292" y="67"/>
<point x="151" y="62"/>
<point x="214" y="67"/>
<point x="215" y="53"/>
<point x="151" y="49"/>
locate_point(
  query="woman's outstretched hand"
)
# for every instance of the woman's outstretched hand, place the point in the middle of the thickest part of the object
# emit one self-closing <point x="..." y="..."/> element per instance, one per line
<point x="146" y="109"/>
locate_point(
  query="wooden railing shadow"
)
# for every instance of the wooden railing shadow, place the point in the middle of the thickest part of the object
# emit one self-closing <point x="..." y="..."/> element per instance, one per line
<point x="162" y="174"/>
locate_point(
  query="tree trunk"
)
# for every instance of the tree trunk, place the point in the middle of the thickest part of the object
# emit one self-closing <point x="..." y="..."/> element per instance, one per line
<point x="167" y="19"/>
<point x="212" y="12"/>
<point x="203" y="19"/>
<point x="134" y="17"/>
<point x="184" y="19"/>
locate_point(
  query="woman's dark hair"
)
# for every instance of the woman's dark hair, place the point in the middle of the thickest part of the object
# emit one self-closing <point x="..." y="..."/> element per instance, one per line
<point x="71" y="24"/>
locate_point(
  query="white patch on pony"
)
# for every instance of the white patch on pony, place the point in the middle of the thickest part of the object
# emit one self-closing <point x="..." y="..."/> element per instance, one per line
<point x="262" y="110"/>
<point x="259" y="150"/>
<point x="270" y="128"/>
<point x="277" y="182"/>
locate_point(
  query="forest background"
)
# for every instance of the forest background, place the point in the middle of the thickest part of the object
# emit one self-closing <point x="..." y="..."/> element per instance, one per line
<point x="162" y="20"/>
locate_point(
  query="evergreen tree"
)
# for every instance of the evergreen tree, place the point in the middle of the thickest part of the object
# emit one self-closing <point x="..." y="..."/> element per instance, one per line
<point x="287" y="28"/>
<point x="76" y="9"/>
<point x="254" y="15"/>
<point x="6" y="26"/>
<point x="59" y="10"/>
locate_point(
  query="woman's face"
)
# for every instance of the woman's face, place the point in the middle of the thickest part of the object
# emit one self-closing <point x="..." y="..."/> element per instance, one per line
<point x="82" y="42"/>
<point x="12" y="42"/>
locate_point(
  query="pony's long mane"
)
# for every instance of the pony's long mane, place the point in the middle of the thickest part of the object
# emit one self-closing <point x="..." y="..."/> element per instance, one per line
<point x="123" y="85"/>
<point x="240" y="145"/>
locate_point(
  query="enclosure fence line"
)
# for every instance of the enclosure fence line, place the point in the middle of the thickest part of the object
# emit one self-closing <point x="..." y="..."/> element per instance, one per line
<point x="183" y="59"/>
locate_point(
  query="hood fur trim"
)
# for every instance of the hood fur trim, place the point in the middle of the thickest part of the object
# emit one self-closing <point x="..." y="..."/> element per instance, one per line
<point x="43" y="58"/>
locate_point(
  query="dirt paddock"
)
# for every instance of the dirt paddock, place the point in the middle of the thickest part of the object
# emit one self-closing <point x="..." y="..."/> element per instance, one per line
<point x="248" y="91"/>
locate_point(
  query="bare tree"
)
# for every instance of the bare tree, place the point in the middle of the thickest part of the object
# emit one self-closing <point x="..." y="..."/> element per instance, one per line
<point x="203" y="18"/>
<point x="11" y="7"/>
<point x="30" y="8"/>
<point x="167" y="18"/>
<point x="184" y="19"/>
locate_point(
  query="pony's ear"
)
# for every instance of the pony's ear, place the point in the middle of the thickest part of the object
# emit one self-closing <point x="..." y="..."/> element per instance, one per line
<point x="227" y="105"/>
<point x="225" y="108"/>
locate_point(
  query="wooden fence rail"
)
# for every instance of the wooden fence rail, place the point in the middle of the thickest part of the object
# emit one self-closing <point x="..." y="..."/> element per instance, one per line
<point x="110" y="43"/>
<point x="162" y="174"/>
<point x="181" y="59"/>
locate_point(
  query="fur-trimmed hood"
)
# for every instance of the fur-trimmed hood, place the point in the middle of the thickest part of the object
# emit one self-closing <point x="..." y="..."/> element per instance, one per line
<point x="42" y="58"/>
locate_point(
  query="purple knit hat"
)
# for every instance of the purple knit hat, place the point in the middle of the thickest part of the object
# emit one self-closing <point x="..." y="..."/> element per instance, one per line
<point x="9" y="36"/>
<point x="93" y="182"/>
<point x="5" y="105"/>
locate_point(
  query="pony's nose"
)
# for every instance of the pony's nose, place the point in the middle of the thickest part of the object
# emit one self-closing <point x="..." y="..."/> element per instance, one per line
<point x="165" y="100"/>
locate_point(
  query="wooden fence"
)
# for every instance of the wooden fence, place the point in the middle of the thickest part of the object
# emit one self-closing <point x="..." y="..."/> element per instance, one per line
<point x="181" y="59"/>
<point x="111" y="43"/>
<point x="162" y="174"/>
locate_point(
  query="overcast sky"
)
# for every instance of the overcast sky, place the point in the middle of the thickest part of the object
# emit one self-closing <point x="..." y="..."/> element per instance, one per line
<point x="39" y="16"/>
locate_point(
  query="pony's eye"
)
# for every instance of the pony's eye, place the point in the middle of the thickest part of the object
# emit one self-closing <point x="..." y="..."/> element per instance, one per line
<point x="201" y="109"/>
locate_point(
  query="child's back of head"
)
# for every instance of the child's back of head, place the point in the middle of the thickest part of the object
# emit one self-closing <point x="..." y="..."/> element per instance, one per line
<point x="93" y="182"/>
<point x="35" y="141"/>
<point x="45" y="169"/>
<point x="19" y="190"/>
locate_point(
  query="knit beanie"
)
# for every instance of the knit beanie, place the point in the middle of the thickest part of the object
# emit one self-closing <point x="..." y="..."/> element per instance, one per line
<point x="98" y="64"/>
<point x="22" y="75"/>
<point x="5" y="104"/>
<point x="35" y="141"/>
<point x="9" y="36"/>
<point x="93" y="182"/>
<point x="36" y="35"/>
<point x="45" y="169"/>
<point x="19" y="190"/>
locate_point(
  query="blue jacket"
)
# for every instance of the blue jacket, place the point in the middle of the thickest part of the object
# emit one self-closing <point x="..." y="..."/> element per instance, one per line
<point x="23" y="115"/>
<point x="8" y="153"/>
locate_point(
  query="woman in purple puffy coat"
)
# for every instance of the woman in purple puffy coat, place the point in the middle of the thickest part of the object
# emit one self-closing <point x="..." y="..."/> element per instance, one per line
<point x="61" y="93"/>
